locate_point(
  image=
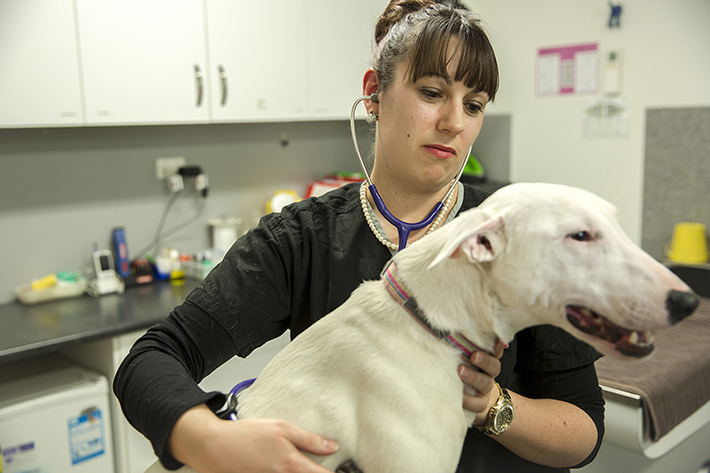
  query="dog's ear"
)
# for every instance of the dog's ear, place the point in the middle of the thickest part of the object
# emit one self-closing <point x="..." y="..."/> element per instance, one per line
<point x="483" y="243"/>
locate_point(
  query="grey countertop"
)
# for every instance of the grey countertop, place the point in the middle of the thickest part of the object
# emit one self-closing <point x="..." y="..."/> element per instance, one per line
<point x="27" y="331"/>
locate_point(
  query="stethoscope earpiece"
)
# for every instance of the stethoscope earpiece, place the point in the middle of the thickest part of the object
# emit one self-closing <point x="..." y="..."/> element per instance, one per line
<point x="375" y="97"/>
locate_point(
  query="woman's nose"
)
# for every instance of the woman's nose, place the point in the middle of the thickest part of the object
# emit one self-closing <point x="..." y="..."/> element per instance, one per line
<point x="451" y="119"/>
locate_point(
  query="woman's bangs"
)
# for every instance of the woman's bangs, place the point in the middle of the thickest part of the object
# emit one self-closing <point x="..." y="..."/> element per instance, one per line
<point x="477" y="69"/>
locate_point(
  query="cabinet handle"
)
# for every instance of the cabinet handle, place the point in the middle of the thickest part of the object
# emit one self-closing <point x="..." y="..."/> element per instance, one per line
<point x="198" y="81"/>
<point x="223" y="79"/>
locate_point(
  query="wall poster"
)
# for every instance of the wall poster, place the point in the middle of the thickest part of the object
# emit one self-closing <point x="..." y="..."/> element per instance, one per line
<point x="568" y="70"/>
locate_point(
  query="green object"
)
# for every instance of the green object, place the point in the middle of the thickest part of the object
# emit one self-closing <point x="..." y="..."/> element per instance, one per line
<point x="473" y="167"/>
<point x="70" y="276"/>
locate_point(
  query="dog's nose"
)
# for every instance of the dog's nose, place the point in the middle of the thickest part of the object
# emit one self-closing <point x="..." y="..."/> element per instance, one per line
<point x="680" y="305"/>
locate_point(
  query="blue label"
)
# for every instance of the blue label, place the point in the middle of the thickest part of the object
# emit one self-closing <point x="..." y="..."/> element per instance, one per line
<point x="86" y="436"/>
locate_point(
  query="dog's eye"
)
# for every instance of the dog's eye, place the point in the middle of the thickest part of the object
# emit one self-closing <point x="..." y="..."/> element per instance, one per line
<point x="581" y="236"/>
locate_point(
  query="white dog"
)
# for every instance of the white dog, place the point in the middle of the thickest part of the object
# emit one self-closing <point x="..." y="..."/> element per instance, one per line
<point x="369" y="374"/>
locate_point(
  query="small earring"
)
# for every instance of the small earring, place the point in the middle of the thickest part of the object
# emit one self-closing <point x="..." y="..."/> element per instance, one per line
<point x="371" y="118"/>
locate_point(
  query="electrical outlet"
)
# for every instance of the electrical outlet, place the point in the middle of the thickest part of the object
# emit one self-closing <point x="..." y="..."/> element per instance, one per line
<point x="166" y="167"/>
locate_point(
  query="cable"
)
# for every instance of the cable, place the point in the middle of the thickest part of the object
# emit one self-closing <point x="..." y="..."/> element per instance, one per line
<point x="160" y="234"/>
<point x="156" y="238"/>
<point x="185" y="223"/>
<point x="176" y="185"/>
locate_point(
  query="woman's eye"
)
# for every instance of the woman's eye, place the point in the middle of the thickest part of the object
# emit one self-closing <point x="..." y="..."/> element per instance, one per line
<point x="430" y="93"/>
<point x="581" y="236"/>
<point x="474" y="108"/>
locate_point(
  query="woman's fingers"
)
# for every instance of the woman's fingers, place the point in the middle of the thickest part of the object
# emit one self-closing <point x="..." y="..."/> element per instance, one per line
<point x="310" y="442"/>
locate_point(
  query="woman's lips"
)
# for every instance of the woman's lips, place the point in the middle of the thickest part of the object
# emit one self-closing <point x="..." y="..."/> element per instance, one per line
<point x="441" y="151"/>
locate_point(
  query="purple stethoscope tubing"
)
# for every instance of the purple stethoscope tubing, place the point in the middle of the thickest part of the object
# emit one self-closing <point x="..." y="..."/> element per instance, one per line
<point x="242" y="386"/>
<point x="403" y="228"/>
<point x="229" y="411"/>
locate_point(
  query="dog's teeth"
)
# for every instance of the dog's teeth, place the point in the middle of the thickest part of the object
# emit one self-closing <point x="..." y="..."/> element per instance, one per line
<point x="641" y="339"/>
<point x="586" y="312"/>
<point x="649" y="338"/>
<point x="591" y="316"/>
<point x="634" y="338"/>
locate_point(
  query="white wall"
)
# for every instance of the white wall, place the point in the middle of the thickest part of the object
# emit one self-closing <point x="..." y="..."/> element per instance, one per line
<point x="666" y="63"/>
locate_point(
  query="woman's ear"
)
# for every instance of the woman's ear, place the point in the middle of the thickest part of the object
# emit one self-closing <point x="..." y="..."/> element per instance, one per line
<point x="369" y="87"/>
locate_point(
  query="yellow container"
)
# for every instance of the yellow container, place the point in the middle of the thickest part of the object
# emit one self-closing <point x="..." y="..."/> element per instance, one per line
<point x="689" y="243"/>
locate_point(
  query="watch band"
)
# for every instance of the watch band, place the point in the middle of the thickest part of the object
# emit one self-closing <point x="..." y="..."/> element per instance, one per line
<point x="500" y="416"/>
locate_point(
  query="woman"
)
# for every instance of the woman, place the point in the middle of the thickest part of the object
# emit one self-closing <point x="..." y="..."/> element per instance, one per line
<point x="434" y="72"/>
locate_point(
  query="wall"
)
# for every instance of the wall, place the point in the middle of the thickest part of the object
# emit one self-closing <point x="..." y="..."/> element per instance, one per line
<point x="62" y="188"/>
<point x="677" y="150"/>
<point x="666" y="63"/>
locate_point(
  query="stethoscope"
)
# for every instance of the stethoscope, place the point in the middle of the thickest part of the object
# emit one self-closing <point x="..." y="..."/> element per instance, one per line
<point x="403" y="228"/>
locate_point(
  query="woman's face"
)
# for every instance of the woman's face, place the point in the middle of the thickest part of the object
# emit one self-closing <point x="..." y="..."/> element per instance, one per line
<point x="425" y="129"/>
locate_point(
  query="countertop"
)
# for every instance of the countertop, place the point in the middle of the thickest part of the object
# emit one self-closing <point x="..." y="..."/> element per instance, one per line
<point x="28" y="331"/>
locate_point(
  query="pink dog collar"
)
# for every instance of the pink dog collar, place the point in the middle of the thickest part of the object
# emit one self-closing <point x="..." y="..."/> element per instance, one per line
<point x="395" y="286"/>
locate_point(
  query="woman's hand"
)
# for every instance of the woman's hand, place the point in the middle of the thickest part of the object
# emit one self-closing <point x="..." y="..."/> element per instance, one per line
<point x="482" y="382"/>
<point x="212" y="445"/>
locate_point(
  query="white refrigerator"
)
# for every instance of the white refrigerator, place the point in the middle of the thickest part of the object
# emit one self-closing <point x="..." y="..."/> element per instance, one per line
<point x="54" y="418"/>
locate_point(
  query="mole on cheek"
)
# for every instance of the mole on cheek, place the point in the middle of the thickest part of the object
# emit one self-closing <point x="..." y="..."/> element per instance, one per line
<point x="407" y="135"/>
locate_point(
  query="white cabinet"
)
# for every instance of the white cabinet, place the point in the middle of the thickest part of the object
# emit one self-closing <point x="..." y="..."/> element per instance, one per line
<point x="340" y="48"/>
<point x="258" y="60"/>
<point x="39" y="71"/>
<point x="143" y="61"/>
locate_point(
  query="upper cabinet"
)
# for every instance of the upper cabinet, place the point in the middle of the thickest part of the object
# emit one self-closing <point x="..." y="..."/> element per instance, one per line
<point x="258" y="60"/>
<point x="144" y="61"/>
<point x="39" y="65"/>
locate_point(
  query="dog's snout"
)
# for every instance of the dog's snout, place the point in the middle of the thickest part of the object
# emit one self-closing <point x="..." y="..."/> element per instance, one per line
<point x="680" y="304"/>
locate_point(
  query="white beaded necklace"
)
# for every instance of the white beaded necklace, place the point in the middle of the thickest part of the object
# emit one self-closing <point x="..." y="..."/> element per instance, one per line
<point x="368" y="217"/>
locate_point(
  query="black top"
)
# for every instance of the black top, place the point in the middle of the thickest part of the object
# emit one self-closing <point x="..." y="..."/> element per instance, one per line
<point x="292" y="269"/>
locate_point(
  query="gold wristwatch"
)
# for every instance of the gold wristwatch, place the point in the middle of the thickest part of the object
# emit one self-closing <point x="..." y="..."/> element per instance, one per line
<point x="500" y="416"/>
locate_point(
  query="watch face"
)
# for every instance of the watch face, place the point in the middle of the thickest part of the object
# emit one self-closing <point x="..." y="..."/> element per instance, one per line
<point x="503" y="418"/>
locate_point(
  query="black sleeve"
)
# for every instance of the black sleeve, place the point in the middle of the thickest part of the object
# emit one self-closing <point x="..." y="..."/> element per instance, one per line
<point x="157" y="381"/>
<point x="240" y="305"/>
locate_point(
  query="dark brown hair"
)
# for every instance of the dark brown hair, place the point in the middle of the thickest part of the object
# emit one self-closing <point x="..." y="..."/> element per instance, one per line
<point x="421" y="32"/>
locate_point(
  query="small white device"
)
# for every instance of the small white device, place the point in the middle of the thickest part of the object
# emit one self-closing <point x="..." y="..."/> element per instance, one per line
<point x="107" y="280"/>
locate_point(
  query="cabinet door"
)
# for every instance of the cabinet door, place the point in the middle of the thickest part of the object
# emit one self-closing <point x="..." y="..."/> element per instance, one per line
<point x="143" y="61"/>
<point x="340" y="51"/>
<point x="258" y="60"/>
<point x="39" y="70"/>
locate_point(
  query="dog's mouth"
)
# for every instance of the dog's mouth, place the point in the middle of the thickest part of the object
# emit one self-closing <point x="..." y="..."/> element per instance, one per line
<point x="632" y="343"/>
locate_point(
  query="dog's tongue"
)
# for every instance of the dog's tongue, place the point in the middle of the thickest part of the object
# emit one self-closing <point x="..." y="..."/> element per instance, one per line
<point x="627" y="342"/>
